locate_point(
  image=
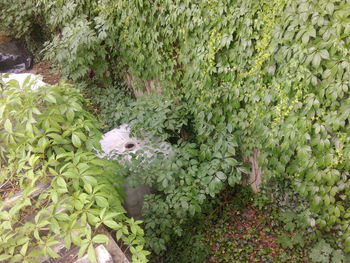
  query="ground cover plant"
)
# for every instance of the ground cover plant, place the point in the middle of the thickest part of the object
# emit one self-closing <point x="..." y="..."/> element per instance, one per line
<point x="237" y="78"/>
<point x="48" y="141"/>
<point x="240" y="232"/>
<point x="239" y="229"/>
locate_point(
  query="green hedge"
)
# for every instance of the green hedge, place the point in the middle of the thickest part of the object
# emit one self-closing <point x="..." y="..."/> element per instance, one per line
<point x="48" y="140"/>
<point x="253" y="75"/>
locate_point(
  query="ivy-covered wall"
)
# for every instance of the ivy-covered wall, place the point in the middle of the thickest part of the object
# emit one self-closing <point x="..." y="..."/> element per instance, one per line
<point x="266" y="75"/>
<point x="246" y="75"/>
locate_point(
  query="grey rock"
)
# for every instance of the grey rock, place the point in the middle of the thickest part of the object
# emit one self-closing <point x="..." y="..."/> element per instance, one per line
<point x="14" y="57"/>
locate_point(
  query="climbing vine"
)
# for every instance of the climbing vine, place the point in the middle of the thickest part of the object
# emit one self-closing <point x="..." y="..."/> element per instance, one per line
<point x="237" y="76"/>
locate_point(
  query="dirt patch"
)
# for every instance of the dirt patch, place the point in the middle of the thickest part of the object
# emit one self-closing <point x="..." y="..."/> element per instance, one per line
<point x="4" y="38"/>
<point x="49" y="74"/>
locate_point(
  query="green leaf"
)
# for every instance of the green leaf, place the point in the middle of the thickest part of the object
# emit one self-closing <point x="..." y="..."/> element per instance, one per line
<point x="70" y="115"/>
<point x="8" y="126"/>
<point x="243" y="169"/>
<point x="231" y="161"/>
<point x="76" y="140"/>
<point x="52" y="253"/>
<point x="89" y="180"/>
<point x="93" y="220"/>
<point x="221" y="176"/>
<point x="2" y="110"/>
<point x="100" y="239"/>
<point x="83" y="247"/>
<point x="119" y="234"/>
<point x="76" y="240"/>
<point x="68" y="241"/>
<point x="234" y="179"/>
<point x="192" y="210"/>
<point x="112" y="224"/>
<point x="4" y="257"/>
<point x="16" y="258"/>
<point x="50" y="98"/>
<point x="347" y="244"/>
<point x="229" y="127"/>
<point x="62" y="217"/>
<point x="101" y="201"/>
<point x="36" y="253"/>
<point x="316" y="60"/>
<point x="61" y="182"/>
<point x="92" y="254"/>
<point x="88" y="188"/>
<point x="324" y="54"/>
<point x="133" y="229"/>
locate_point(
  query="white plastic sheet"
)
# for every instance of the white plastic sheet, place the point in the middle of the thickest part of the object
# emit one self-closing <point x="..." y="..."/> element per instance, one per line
<point x="35" y="81"/>
<point x="118" y="142"/>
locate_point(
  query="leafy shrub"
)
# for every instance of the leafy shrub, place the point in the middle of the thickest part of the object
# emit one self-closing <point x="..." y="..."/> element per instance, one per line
<point x="185" y="179"/>
<point x="111" y="104"/>
<point x="17" y="17"/>
<point x="75" y="46"/>
<point x="48" y="139"/>
<point x="324" y="253"/>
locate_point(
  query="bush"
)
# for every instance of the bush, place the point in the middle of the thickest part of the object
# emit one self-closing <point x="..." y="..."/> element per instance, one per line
<point x="48" y="141"/>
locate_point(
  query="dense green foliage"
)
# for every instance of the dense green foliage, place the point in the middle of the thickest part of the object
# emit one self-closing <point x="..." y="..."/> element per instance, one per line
<point x="239" y="231"/>
<point x="255" y="75"/>
<point x="237" y="76"/>
<point x="47" y="142"/>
